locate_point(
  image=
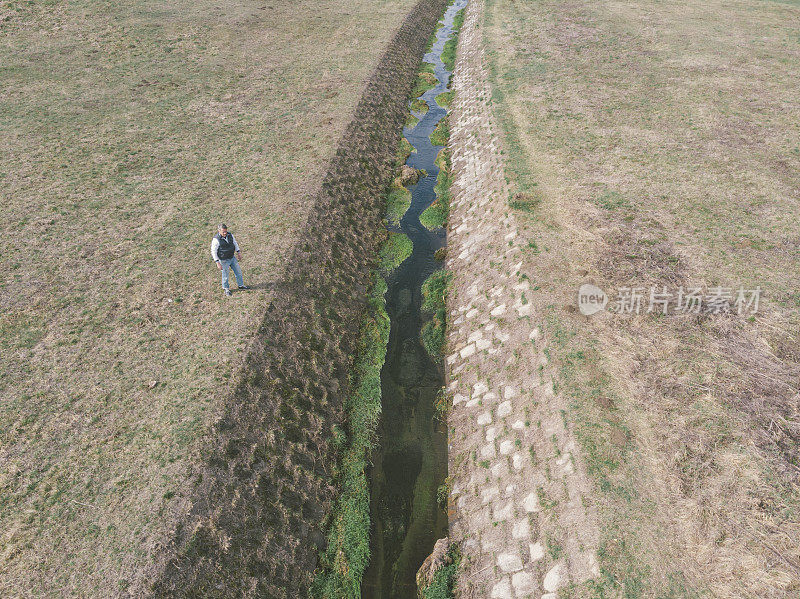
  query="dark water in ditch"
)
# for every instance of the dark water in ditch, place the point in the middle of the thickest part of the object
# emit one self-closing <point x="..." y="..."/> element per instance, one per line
<point x="411" y="461"/>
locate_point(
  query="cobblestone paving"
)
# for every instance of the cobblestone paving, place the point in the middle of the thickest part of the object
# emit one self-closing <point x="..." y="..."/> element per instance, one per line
<point x="519" y="500"/>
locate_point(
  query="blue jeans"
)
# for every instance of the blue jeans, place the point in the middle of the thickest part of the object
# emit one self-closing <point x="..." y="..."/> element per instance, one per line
<point x="234" y="264"/>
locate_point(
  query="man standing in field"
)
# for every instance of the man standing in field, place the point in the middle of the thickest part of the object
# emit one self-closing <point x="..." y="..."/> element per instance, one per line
<point x="224" y="251"/>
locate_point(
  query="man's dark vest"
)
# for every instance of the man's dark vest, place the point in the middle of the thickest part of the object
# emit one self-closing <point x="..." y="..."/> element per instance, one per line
<point x="226" y="247"/>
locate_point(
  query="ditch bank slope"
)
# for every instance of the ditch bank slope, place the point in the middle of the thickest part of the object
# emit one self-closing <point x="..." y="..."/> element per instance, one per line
<point x="264" y="486"/>
<point x="520" y="503"/>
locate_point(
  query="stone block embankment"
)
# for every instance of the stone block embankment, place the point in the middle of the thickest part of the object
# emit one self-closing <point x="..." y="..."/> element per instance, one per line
<point x="517" y="477"/>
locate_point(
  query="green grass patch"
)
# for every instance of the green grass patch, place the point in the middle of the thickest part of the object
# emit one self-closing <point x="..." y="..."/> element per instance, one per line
<point x="434" y="298"/>
<point x="445" y="578"/>
<point x="445" y="99"/>
<point x="426" y="79"/>
<point x="397" y="202"/>
<point x="21" y="332"/>
<point x="443" y="491"/>
<point x="518" y="170"/>
<point x="449" y="50"/>
<point x="434" y="289"/>
<point x="397" y="248"/>
<point x="432" y="38"/>
<point x="404" y="150"/>
<point x="347" y="554"/>
<point x="524" y="202"/>
<point x="612" y="200"/>
<point x="441" y="134"/>
<point x="419" y="105"/>
<point x="435" y="216"/>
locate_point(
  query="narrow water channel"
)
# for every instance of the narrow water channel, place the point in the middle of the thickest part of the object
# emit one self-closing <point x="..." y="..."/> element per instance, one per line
<point x="411" y="461"/>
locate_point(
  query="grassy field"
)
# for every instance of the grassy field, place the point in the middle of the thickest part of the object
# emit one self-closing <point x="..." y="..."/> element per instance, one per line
<point x="658" y="144"/>
<point x="127" y="131"/>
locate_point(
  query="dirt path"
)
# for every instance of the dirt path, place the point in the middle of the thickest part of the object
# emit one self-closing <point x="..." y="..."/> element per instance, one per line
<point x="520" y="504"/>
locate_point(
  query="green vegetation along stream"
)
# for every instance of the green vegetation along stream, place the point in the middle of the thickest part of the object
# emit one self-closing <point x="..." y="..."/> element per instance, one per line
<point x="410" y="462"/>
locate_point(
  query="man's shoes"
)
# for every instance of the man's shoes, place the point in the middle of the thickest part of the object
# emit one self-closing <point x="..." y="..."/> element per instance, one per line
<point x="228" y="292"/>
<point x="244" y="287"/>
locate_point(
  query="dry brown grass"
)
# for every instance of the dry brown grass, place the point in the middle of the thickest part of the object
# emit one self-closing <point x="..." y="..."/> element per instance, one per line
<point x="662" y="141"/>
<point x="128" y="132"/>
